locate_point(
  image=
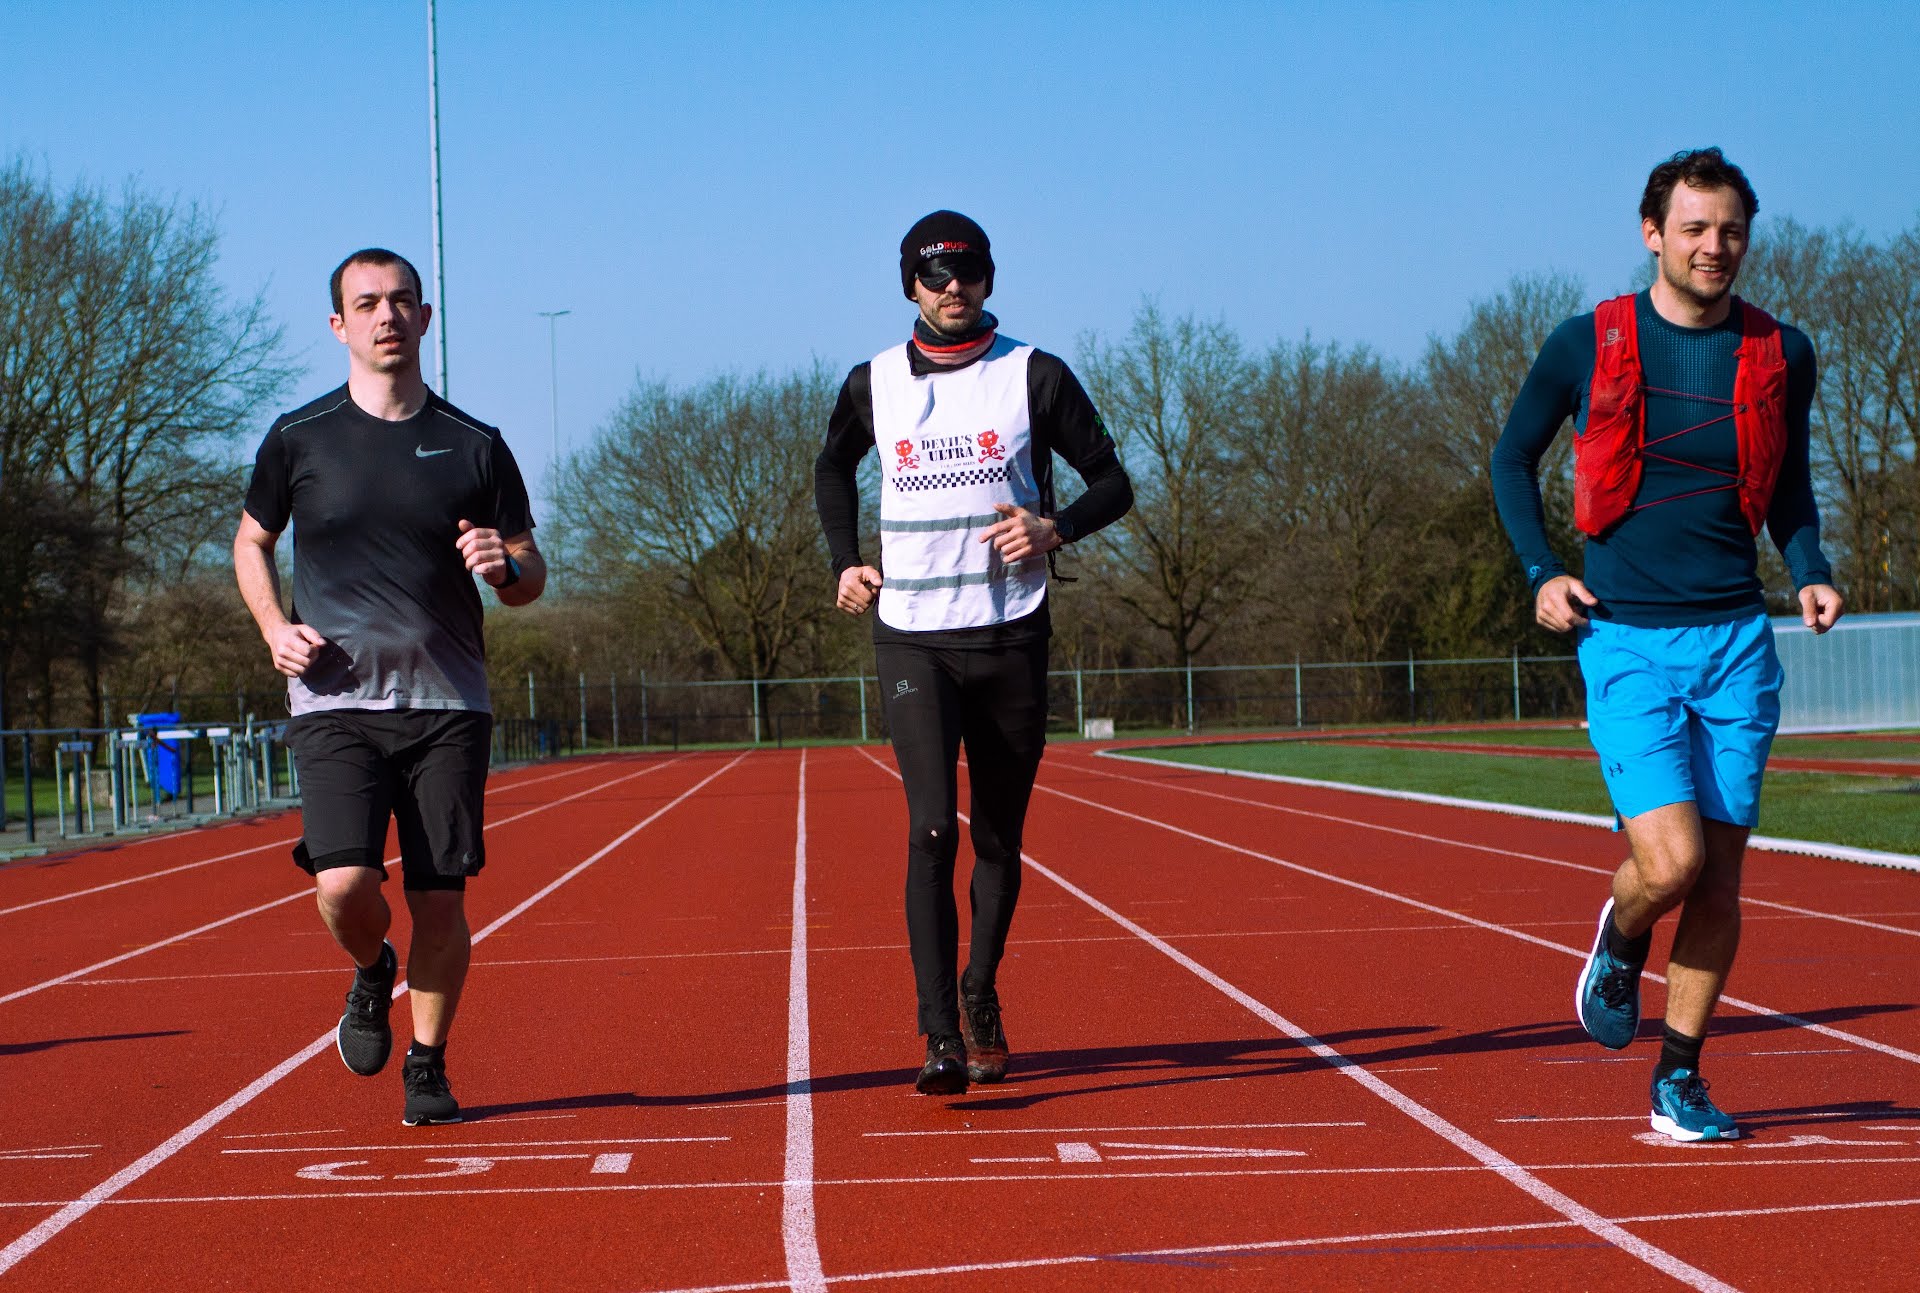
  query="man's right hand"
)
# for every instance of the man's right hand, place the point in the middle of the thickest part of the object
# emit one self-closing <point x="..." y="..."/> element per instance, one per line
<point x="295" y="647"/>
<point x="1562" y="603"/>
<point x="858" y="586"/>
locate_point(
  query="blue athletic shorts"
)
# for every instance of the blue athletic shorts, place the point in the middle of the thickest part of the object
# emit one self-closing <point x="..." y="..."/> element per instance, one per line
<point x="1683" y="715"/>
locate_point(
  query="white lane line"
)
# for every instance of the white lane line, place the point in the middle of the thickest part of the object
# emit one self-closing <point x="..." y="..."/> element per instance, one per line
<point x="36" y="1238"/>
<point x="1746" y="898"/>
<point x="1772" y="844"/>
<point x="1458" y="1137"/>
<point x="798" y="1229"/>
<point x="1695" y="1159"/>
<point x="1326" y="1242"/>
<point x="1171" y="1126"/>
<point x="48" y="1149"/>
<point x="268" y="1135"/>
<point x="478" y="1144"/>
<point x="477" y="965"/>
<point x="293" y="897"/>
<point x="30" y="1158"/>
<point x="238" y="853"/>
<point x="1580" y="953"/>
<point x="151" y="875"/>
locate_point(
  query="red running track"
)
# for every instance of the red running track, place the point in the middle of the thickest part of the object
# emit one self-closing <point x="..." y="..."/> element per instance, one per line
<point x="1265" y="1034"/>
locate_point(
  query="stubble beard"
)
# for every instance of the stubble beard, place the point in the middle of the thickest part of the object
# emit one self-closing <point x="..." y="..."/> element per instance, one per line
<point x="953" y="328"/>
<point x="1679" y="279"/>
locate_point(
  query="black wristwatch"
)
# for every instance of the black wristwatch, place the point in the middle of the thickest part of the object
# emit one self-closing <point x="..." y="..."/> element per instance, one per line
<point x="1064" y="528"/>
<point x="513" y="575"/>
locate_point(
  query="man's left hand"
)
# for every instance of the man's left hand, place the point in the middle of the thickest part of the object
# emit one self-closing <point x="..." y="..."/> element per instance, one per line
<point x="1820" y="606"/>
<point x="1021" y="534"/>
<point x="485" y="552"/>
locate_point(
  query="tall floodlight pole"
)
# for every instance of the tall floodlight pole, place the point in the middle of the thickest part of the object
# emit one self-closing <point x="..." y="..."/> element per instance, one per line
<point x="433" y="146"/>
<point x="553" y="372"/>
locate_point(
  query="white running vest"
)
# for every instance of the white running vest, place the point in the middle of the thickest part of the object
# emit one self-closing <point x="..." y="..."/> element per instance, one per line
<point x="952" y="444"/>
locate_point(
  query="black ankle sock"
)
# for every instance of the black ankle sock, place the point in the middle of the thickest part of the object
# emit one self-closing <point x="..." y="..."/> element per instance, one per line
<point x="1631" y="950"/>
<point x="428" y="1054"/>
<point x="1678" y="1051"/>
<point x="381" y="970"/>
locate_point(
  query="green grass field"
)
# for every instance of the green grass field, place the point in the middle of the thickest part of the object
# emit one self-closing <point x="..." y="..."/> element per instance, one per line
<point x="1804" y="747"/>
<point x="1865" y="812"/>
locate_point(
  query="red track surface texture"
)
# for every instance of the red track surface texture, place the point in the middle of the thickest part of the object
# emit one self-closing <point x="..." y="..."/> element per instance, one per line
<point x="1266" y="1036"/>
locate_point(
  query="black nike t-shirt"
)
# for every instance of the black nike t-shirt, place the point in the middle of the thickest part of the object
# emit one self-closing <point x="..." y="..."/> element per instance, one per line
<point x="376" y="508"/>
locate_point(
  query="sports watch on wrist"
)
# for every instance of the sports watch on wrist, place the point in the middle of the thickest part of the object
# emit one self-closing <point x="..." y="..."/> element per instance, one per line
<point x="513" y="575"/>
<point x="1064" y="528"/>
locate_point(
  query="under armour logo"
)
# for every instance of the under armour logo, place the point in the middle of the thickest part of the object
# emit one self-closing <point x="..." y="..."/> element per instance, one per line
<point x="421" y="451"/>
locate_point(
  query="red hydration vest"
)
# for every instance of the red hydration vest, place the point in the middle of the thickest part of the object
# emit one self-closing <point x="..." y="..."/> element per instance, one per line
<point x="1607" y="458"/>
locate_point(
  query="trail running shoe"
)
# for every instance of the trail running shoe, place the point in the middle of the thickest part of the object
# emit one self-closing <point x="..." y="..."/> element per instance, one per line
<point x="1607" y="996"/>
<point x="364" y="1038"/>
<point x="429" y="1098"/>
<point x="985" y="1040"/>
<point x="1683" y="1110"/>
<point x="945" y="1072"/>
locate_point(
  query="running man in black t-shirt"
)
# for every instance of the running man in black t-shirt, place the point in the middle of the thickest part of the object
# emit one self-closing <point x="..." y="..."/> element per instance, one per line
<point x="397" y="500"/>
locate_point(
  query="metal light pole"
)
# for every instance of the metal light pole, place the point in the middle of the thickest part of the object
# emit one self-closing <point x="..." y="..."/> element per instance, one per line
<point x="553" y="374"/>
<point x="433" y="147"/>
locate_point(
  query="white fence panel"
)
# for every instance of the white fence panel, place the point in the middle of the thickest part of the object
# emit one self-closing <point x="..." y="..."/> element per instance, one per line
<point x="1861" y="676"/>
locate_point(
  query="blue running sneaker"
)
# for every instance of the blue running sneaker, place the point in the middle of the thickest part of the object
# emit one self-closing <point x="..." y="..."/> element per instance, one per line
<point x="1683" y="1110"/>
<point x="1607" y="997"/>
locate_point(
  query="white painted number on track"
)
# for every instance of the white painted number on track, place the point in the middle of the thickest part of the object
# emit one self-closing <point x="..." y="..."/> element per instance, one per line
<point x="462" y="1165"/>
<point x="1080" y="1151"/>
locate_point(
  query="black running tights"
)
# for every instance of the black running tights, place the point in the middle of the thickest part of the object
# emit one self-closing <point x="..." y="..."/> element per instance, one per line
<point x="994" y="702"/>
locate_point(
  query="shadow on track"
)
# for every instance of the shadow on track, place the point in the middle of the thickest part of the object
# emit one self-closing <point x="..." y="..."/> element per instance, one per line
<point x="1135" y="1068"/>
<point x="28" y="1048"/>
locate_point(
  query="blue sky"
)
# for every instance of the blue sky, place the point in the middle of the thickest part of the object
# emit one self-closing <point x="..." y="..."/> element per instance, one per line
<point x="713" y="187"/>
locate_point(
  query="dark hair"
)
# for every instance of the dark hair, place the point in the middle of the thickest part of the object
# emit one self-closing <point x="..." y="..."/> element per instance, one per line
<point x="1697" y="168"/>
<point x="374" y="256"/>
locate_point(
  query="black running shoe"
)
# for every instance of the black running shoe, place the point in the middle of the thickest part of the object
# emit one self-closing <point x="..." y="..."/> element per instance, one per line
<point x="945" y="1072"/>
<point x="429" y="1098"/>
<point x="986" y="1041"/>
<point x="364" y="1039"/>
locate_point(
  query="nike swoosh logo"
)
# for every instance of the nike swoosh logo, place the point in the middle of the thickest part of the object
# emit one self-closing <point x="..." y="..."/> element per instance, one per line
<point x="420" y="451"/>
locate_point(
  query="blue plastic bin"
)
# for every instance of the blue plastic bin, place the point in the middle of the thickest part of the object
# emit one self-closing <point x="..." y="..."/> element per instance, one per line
<point x="165" y="759"/>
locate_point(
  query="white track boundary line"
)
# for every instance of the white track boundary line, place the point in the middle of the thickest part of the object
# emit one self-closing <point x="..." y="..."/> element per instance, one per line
<point x="1747" y="900"/>
<point x="1579" y="953"/>
<point x="1332" y="1242"/>
<point x="798" y="1227"/>
<point x="1510" y="1171"/>
<point x="1704" y="1162"/>
<point x="292" y="897"/>
<point x="151" y="875"/>
<point x="1771" y="843"/>
<point x="38" y="1237"/>
<point x="225" y="857"/>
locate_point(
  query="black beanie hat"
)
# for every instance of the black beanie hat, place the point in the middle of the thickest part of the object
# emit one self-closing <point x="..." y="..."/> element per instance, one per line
<point x="942" y="233"/>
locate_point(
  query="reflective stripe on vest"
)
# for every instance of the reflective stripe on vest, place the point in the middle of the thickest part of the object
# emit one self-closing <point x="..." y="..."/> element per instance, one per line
<point x="1607" y="454"/>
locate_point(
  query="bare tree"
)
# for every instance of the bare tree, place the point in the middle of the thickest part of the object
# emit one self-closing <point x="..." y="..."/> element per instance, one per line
<point x="1477" y="603"/>
<point x="1187" y="557"/>
<point x="1859" y="303"/>
<point x="126" y="375"/>
<point x="703" y="498"/>
<point x="1341" y="467"/>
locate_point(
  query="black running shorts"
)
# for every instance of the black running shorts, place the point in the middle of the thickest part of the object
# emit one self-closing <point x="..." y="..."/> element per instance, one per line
<point x="426" y="769"/>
